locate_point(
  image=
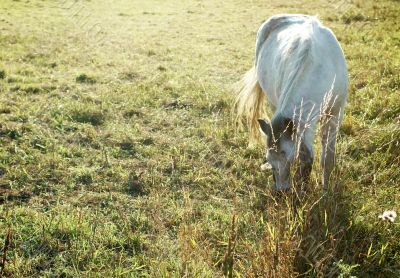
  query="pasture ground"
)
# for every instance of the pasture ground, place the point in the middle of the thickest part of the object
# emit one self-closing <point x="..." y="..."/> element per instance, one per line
<point x="119" y="156"/>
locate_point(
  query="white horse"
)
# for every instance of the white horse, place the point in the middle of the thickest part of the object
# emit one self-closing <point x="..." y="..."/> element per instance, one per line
<point x="301" y="70"/>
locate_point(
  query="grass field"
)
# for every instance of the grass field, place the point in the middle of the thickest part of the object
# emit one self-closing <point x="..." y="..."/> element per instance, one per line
<point x="119" y="156"/>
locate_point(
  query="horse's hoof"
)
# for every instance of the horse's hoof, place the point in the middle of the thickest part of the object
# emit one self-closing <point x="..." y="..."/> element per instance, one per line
<point x="280" y="191"/>
<point x="281" y="188"/>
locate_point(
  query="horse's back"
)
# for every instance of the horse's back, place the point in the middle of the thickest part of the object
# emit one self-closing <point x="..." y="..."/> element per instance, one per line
<point x="299" y="59"/>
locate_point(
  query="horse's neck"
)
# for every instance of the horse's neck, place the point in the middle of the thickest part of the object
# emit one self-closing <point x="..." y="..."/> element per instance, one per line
<point x="304" y="114"/>
<point x="304" y="134"/>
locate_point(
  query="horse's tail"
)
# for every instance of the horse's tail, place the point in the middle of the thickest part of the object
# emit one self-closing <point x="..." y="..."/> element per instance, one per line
<point x="250" y="104"/>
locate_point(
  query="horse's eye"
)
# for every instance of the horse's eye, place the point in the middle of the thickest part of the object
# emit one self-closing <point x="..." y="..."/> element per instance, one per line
<point x="282" y="152"/>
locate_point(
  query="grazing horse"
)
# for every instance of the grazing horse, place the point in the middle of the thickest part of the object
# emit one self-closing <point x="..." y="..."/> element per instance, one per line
<point x="301" y="70"/>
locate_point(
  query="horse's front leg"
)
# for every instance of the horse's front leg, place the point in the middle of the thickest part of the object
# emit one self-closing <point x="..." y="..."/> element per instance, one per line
<point x="329" y="128"/>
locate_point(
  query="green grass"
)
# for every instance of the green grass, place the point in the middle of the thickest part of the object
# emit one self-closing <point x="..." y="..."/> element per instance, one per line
<point x="119" y="157"/>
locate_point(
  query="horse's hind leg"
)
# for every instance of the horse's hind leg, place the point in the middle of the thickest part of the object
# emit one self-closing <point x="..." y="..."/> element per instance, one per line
<point x="329" y="128"/>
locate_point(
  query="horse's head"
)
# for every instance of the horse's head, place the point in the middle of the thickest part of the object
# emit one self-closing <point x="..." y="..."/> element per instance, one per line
<point x="280" y="148"/>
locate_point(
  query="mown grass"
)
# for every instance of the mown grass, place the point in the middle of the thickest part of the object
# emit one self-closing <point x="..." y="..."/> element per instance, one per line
<point x="119" y="158"/>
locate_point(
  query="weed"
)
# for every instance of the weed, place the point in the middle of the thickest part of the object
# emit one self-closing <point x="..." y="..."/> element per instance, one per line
<point x="84" y="78"/>
<point x="92" y="116"/>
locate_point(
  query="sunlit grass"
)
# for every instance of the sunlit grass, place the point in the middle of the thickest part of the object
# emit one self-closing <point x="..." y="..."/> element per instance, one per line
<point x="119" y="156"/>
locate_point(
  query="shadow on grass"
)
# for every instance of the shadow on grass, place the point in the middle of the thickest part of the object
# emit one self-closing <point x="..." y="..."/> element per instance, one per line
<point x="306" y="234"/>
<point x="324" y="231"/>
<point x="14" y="196"/>
<point x="333" y="244"/>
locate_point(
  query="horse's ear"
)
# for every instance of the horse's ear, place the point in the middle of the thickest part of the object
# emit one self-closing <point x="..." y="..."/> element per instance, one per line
<point x="265" y="127"/>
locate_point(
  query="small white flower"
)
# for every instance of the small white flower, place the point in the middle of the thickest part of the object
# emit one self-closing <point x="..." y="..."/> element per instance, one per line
<point x="388" y="215"/>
